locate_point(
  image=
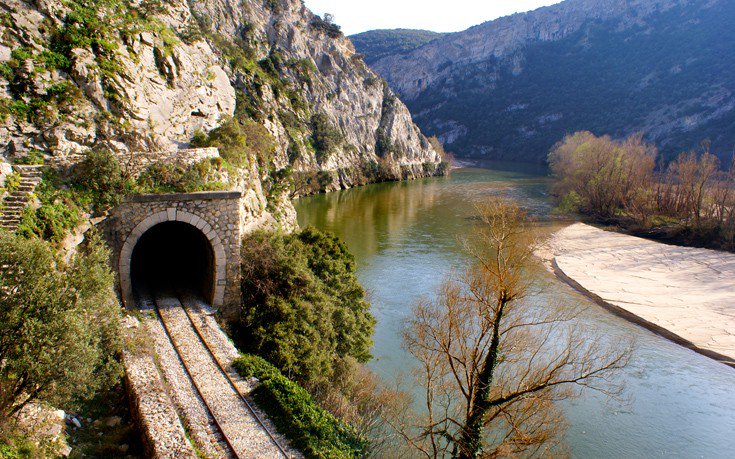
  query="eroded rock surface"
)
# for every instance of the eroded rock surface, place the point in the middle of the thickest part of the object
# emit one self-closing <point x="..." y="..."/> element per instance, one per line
<point x="150" y="75"/>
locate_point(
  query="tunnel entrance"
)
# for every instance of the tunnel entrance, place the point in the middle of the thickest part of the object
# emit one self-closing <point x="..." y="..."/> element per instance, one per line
<point x="174" y="256"/>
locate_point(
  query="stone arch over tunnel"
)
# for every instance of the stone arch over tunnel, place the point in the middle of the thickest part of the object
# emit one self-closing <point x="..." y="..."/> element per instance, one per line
<point x="176" y="257"/>
<point x="178" y="241"/>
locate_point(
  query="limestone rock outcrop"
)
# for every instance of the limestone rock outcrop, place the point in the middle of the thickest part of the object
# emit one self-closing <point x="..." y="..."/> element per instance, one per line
<point x="132" y="76"/>
<point x="411" y="74"/>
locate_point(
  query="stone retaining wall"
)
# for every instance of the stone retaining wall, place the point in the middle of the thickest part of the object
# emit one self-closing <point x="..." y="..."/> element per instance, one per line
<point x="134" y="163"/>
<point x="155" y="415"/>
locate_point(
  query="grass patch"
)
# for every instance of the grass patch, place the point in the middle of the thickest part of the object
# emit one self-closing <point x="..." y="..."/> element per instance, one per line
<point x="311" y="429"/>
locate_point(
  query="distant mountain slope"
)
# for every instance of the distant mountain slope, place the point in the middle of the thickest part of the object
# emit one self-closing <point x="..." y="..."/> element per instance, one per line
<point x="377" y="44"/>
<point x="511" y="88"/>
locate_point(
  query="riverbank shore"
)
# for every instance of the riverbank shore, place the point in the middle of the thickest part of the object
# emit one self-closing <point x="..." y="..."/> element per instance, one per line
<point x="684" y="294"/>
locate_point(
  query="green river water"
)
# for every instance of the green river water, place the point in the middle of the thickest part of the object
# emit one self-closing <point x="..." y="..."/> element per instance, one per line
<point x="405" y="239"/>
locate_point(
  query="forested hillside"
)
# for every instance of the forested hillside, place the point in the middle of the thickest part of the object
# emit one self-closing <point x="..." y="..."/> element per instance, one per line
<point x="511" y="88"/>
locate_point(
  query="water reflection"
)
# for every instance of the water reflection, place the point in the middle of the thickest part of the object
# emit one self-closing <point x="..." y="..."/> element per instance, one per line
<point x="405" y="239"/>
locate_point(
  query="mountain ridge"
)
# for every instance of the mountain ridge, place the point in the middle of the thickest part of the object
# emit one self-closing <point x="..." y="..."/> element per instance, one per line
<point x="494" y="91"/>
<point x="377" y="44"/>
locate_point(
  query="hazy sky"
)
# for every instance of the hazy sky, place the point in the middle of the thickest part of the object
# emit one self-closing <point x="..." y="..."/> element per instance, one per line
<point x="440" y="16"/>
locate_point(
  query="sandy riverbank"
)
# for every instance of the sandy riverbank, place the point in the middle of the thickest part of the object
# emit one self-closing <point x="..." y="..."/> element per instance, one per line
<point x="685" y="294"/>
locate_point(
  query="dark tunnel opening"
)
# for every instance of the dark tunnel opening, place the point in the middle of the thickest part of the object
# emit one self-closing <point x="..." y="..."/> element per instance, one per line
<point x="174" y="257"/>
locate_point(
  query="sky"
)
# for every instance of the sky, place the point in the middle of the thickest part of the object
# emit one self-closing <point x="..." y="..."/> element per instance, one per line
<point x="357" y="16"/>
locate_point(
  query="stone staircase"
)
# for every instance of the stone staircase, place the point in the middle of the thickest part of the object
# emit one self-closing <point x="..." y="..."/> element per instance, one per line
<point x="17" y="200"/>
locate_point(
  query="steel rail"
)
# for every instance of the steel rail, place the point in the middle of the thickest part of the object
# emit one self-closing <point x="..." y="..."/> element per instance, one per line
<point x="232" y="384"/>
<point x="191" y="378"/>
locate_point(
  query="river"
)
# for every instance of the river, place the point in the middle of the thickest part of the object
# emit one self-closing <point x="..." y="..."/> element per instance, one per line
<point x="405" y="239"/>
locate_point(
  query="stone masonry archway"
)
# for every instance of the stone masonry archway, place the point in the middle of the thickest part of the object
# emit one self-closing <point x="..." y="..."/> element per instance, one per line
<point x="174" y="215"/>
<point x="215" y="216"/>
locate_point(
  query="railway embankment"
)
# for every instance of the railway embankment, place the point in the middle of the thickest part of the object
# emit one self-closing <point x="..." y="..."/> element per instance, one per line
<point x="187" y="399"/>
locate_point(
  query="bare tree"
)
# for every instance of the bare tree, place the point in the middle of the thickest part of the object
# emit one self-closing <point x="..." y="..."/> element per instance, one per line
<point x="605" y="174"/>
<point x="490" y="364"/>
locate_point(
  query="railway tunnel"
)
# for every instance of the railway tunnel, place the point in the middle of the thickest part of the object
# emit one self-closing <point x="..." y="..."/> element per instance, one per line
<point x="167" y="247"/>
<point x="175" y="257"/>
<point x="181" y="243"/>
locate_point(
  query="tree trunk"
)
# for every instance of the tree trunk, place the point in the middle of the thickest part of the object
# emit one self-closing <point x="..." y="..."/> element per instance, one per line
<point x="471" y="439"/>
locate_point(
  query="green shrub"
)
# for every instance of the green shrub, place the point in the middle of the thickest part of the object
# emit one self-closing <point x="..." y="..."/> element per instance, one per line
<point x="17" y="108"/>
<point x="311" y="429"/>
<point x="273" y="5"/>
<point x="12" y="181"/>
<point x="327" y="26"/>
<point x="61" y="210"/>
<point x="325" y="137"/>
<point x="272" y="63"/>
<point x="53" y="60"/>
<point x="21" y="54"/>
<point x="13" y="446"/>
<point x="164" y="177"/>
<point x="199" y="139"/>
<point x="59" y="324"/>
<point x="383" y="144"/>
<point x="100" y="175"/>
<point x="303" y="308"/>
<point x="52" y="221"/>
<point x="34" y="157"/>
<point x="571" y="203"/>
<point x="6" y="71"/>
<point x="241" y="141"/>
<point x="248" y="365"/>
<point x="444" y="168"/>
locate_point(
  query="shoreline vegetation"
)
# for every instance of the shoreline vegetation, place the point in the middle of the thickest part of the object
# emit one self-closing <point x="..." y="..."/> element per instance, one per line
<point x="305" y="329"/>
<point x="618" y="183"/>
<point x="330" y="405"/>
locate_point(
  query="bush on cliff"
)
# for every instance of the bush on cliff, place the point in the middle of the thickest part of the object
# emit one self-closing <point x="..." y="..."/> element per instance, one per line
<point x="161" y="177"/>
<point x="59" y="321"/>
<point x="311" y="429"/>
<point x="101" y="176"/>
<point x="326" y="138"/>
<point x="240" y="141"/>
<point x="303" y="308"/>
<point x="60" y="210"/>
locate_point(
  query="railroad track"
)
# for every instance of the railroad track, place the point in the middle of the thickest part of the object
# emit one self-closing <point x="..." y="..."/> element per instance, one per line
<point x="244" y="433"/>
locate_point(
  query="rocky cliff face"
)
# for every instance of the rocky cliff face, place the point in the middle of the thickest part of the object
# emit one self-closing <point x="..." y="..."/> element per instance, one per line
<point x="146" y="76"/>
<point x="512" y="87"/>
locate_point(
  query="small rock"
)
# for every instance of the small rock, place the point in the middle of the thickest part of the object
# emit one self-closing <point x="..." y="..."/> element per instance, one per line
<point x="130" y="322"/>
<point x="55" y="430"/>
<point x="147" y="38"/>
<point x="76" y="422"/>
<point x="65" y="451"/>
<point x="113" y="421"/>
